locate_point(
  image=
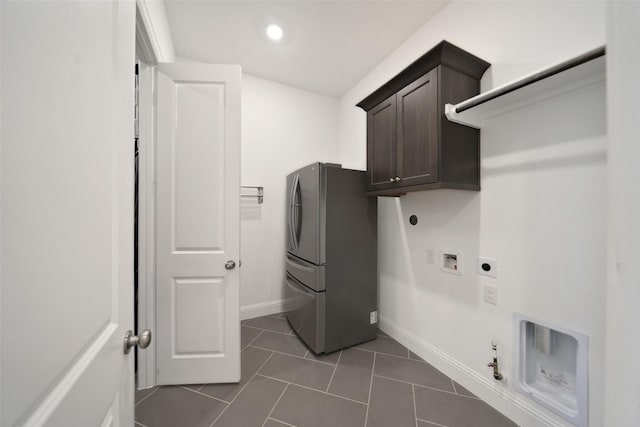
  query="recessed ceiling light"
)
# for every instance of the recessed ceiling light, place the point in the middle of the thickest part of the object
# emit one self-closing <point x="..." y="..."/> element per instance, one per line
<point x="274" y="32"/>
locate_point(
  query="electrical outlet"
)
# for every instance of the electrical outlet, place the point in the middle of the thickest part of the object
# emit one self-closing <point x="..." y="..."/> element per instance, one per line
<point x="488" y="267"/>
<point x="373" y="317"/>
<point x="431" y="256"/>
<point x="491" y="294"/>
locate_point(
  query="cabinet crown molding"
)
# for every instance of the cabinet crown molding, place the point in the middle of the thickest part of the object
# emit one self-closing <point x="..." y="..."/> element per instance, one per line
<point x="444" y="53"/>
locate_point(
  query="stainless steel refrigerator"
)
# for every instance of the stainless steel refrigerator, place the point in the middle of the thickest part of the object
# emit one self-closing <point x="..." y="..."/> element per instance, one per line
<point x="331" y="259"/>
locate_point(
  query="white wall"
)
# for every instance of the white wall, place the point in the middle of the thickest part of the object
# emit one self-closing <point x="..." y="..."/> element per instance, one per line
<point x="283" y="128"/>
<point x="541" y="211"/>
<point x="623" y="317"/>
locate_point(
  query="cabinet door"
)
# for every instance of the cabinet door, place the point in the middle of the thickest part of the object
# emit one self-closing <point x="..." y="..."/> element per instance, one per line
<point x="417" y="142"/>
<point x="381" y="145"/>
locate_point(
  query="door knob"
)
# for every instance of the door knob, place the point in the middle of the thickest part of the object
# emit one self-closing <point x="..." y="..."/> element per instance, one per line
<point x="230" y="265"/>
<point x="131" y="340"/>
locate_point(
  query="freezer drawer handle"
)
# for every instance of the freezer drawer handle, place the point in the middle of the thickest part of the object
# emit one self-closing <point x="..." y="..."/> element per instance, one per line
<point x="293" y="283"/>
<point x="300" y="266"/>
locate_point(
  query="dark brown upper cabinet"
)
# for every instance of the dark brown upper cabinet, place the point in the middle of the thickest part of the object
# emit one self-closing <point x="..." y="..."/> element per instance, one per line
<point x="411" y="145"/>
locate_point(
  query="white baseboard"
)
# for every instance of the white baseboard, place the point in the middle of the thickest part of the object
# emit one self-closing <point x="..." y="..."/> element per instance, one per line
<point x="512" y="404"/>
<point x="261" y="309"/>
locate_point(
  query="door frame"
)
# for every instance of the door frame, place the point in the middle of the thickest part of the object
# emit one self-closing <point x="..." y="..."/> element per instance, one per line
<point x="146" y="219"/>
<point x="148" y="53"/>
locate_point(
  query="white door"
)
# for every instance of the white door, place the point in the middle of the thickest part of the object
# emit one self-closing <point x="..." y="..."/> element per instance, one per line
<point x="66" y="212"/>
<point x="198" y="224"/>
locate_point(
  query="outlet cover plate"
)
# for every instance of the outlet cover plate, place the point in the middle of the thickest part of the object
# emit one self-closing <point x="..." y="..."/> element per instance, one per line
<point x="431" y="256"/>
<point x="488" y="267"/>
<point x="491" y="294"/>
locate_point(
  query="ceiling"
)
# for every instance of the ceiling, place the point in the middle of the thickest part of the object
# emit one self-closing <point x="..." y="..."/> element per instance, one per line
<point x="328" y="46"/>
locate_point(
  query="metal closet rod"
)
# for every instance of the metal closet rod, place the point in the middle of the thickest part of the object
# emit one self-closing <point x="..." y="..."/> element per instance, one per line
<point x="563" y="66"/>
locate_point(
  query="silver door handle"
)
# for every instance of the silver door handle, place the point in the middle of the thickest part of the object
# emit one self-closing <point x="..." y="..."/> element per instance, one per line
<point x="230" y="265"/>
<point x="292" y="195"/>
<point x="131" y="340"/>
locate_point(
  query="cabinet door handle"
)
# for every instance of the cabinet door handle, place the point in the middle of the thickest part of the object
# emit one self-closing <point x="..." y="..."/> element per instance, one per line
<point x="392" y="179"/>
<point x="397" y="178"/>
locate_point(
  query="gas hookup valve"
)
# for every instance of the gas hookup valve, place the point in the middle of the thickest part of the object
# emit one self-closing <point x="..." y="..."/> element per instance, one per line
<point x="496" y="371"/>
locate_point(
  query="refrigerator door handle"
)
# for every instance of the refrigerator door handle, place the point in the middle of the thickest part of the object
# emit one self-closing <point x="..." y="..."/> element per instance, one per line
<point x="297" y="210"/>
<point x="292" y="203"/>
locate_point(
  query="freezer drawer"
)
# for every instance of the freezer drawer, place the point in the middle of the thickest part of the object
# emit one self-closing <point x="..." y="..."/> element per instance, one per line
<point x="313" y="276"/>
<point x="305" y="312"/>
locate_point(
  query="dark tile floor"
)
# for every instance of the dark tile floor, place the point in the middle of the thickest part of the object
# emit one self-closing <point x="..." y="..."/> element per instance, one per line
<point x="375" y="384"/>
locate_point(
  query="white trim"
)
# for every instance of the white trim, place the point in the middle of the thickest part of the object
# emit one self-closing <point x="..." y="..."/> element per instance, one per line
<point x="144" y="47"/>
<point x="511" y="404"/>
<point x="146" y="223"/>
<point x="153" y="17"/>
<point x="262" y="309"/>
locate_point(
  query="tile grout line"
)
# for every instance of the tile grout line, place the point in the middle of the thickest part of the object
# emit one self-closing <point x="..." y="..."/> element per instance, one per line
<point x="268" y="330"/>
<point x="254" y="338"/>
<point x="417" y="358"/>
<point x="241" y="390"/>
<point x="275" y="404"/>
<point x="292" y="355"/>
<point x="463" y="395"/>
<point x="280" y="421"/>
<point x="335" y="368"/>
<point x="415" y="410"/>
<point x="312" y="389"/>
<point x="382" y="353"/>
<point x="394" y="355"/>
<point x="186" y="387"/>
<point x="147" y="396"/>
<point x="206" y="395"/>
<point x="423" y="386"/>
<point x="430" y="422"/>
<point x="373" y="368"/>
<point x="274" y="316"/>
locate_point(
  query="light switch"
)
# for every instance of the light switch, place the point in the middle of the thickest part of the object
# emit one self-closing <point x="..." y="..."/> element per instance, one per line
<point x="491" y="294"/>
<point x="431" y="256"/>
